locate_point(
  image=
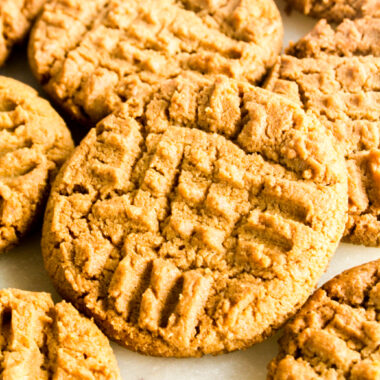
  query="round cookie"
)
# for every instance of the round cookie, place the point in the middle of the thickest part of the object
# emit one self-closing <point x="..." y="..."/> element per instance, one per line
<point x="337" y="10"/>
<point x="336" y="334"/>
<point x="16" y="18"/>
<point x="93" y="55"/>
<point x="34" y="143"/>
<point x="340" y="85"/>
<point x="199" y="223"/>
<point x="40" y="340"/>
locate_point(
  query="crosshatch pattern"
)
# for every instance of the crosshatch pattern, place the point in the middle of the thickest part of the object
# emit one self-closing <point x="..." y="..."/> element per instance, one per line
<point x="340" y="85"/>
<point x="336" y="334"/>
<point x="93" y="55"/>
<point x="183" y="242"/>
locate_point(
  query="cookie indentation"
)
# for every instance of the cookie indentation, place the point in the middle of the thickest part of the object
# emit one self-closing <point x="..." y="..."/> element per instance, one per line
<point x="190" y="239"/>
<point x="332" y="73"/>
<point x="337" y="332"/>
<point x="92" y="56"/>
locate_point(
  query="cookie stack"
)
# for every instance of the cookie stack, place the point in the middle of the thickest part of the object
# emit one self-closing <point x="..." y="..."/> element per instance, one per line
<point x="210" y="193"/>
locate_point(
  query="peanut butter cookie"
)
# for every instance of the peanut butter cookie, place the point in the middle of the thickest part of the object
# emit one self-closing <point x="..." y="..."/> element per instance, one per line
<point x="16" y="18"/>
<point x="34" y="142"/>
<point x="341" y="87"/>
<point x="336" y="335"/>
<point x="93" y="55"/>
<point x="40" y="340"/>
<point x="337" y="10"/>
<point x="349" y="38"/>
<point x="198" y="223"/>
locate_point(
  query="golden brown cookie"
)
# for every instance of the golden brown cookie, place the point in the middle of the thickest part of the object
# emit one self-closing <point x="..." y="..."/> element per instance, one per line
<point x="93" y="55"/>
<point x="343" y="92"/>
<point x="184" y="242"/>
<point x="337" y="10"/>
<point x="40" y="340"/>
<point x="349" y="38"/>
<point x="16" y="18"/>
<point x="336" y="334"/>
<point x="34" y="142"/>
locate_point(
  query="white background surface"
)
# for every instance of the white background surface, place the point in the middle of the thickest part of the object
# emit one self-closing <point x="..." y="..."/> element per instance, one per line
<point x="23" y="268"/>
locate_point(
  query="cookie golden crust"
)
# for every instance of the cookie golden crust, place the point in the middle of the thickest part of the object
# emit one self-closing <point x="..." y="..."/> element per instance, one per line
<point x="184" y="242"/>
<point x="34" y="143"/>
<point x="40" y="340"/>
<point x="16" y="18"/>
<point x="337" y="10"/>
<point x="349" y="38"/>
<point x="93" y="55"/>
<point x="336" y="334"/>
<point x="340" y="86"/>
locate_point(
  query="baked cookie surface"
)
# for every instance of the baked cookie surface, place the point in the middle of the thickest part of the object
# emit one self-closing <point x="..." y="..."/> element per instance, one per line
<point x="34" y="143"/>
<point x="360" y="37"/>
<point x="198" y="223"/>
<point x="16" y="18"/>
<point x="337" y="10"/>
<point x="93" y="55"/>
<point x="336" y="334"/>
<point x="341" y="87"/>
<point x="40" y="340"/>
